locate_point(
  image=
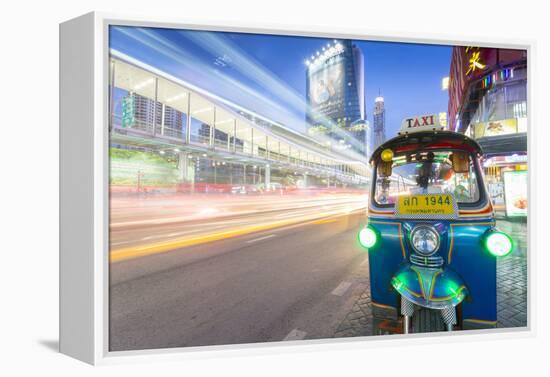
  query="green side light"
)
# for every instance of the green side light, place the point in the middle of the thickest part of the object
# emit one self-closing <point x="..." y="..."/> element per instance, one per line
<point x="396" y="283"/>
<point x="498" y="243"/>
<point x="368" y="237"/>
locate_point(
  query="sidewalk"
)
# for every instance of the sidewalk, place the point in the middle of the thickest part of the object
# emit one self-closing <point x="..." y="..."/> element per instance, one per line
<point x="512" y="277"/>
<point x="511" y="289"/>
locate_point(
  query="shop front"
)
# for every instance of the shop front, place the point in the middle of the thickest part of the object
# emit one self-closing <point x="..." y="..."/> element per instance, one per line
<point x="488" y="102"/>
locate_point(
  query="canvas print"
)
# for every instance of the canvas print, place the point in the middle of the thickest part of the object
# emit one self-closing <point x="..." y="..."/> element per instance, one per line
<point x="268" y="188"/>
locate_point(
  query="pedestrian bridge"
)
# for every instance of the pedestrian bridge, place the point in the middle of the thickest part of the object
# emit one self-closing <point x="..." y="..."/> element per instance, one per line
<point x="152" y="110"/>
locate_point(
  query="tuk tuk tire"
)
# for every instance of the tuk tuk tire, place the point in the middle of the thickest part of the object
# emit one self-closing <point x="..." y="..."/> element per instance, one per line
<point x="427" y="320"/>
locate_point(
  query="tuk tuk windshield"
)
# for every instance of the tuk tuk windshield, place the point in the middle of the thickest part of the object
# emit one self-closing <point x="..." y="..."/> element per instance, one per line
<point x="427" y="173"/>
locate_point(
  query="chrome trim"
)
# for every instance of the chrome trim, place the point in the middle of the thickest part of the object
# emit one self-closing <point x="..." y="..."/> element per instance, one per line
<point x="433" y="261"/>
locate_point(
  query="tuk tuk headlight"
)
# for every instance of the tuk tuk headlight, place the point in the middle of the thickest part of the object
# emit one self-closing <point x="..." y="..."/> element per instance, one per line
<point x="498" y="243"/>
<point x="368" y="237"/>
<point x="425" y="240"/>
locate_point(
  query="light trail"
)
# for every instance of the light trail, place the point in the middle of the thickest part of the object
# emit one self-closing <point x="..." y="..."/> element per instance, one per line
<point x="135" y="212"/>
<point x="135" y="251"/>
<point x="218" y="44"/>
<point x="204" y="75"/>
<point x="202" y="72"/>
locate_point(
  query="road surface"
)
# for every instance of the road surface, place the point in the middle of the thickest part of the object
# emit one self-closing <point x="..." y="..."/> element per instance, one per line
<point x="294" y="275"/>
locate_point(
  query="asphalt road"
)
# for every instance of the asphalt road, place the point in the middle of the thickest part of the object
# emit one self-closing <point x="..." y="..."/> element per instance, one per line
<point x="289" y="282"/>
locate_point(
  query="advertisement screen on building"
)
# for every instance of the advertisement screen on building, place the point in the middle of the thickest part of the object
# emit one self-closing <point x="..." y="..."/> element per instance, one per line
<point x="326" y="88"/>
<point x="515" y="192"/>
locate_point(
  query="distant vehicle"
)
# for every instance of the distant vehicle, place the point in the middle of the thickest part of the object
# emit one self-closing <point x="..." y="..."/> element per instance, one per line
<point x="238" y="190"/>
<point x="273" y="188"/>
<point x="245" y="190"/>
<point x="276" y="186"/>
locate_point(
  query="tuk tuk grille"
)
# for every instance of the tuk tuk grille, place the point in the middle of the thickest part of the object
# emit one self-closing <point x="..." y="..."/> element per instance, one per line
<point x="432" y="261"/>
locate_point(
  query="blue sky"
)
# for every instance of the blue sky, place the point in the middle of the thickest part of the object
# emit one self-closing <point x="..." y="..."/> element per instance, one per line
<point x="266" y="73"/>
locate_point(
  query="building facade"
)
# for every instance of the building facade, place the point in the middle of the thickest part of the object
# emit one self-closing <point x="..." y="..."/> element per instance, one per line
<point x="488" y="101"/>
<point x="142" y="112"/>
<point x="336" y="95"/>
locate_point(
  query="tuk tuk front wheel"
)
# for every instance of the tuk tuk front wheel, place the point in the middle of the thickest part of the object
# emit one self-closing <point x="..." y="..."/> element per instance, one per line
<point x="427" y="320"/>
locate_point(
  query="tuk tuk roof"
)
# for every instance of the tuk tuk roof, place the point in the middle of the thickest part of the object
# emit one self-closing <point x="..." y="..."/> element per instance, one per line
<point x="427" y="140"/>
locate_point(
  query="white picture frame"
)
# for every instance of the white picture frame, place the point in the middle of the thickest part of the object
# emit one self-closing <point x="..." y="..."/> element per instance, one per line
<point x="84" y="218"/>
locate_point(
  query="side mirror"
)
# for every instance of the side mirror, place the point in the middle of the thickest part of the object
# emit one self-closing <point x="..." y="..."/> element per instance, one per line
<point x="385" y="169"/>
<point x="461" y="162"/>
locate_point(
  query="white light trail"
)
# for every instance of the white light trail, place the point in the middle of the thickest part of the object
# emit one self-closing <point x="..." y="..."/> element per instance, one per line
<point x="242" y="93"/>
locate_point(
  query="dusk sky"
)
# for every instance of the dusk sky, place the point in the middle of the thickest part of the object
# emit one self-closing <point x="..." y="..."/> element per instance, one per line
<point x="266" y="73"/>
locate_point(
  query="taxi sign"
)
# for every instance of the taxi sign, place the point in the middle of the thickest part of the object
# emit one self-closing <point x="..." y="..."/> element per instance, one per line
<point x="421" y="123"/>
<point x="426" y="205"/>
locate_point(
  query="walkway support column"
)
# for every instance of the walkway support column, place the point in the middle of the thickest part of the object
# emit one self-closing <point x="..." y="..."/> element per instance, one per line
<point x="267" y="177"/>
<point x="188" y="121"/>
<point x="186" y="172"/>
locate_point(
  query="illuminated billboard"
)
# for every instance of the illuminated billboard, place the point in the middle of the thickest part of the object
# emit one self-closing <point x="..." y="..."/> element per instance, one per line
<point x="336" y="95"/>
<point x="496" y="128"/>
<point x="326" y="89"/>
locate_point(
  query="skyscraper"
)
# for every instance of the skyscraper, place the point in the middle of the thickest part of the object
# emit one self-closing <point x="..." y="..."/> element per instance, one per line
<point x="379" y="122"/>
<point x="336" y="95"/>
<point x="146" y="111"/>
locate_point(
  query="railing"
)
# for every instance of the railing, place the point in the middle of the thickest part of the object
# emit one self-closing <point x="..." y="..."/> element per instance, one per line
<point x="220" y="144"/>
<point x="200" y="139"/>
<point x="143" y="126"/>
<point x="179" y="134"/>
<point x="173" y="133"/>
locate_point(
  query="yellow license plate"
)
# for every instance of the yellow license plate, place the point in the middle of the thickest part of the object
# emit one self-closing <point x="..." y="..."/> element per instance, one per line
<point x="426" y="205"/>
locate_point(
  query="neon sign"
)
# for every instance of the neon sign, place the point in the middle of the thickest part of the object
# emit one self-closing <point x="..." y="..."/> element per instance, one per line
<point x="474" y="60"/>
